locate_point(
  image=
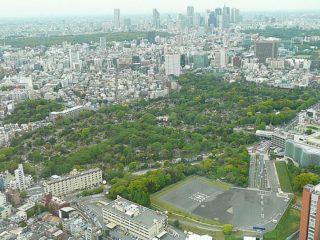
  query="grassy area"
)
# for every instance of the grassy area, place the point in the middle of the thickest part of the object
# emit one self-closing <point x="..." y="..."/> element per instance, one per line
<point x="283" y="176"/>
<point x="178" y="213"/>
<point x="217" y="235"/>
<point x="288" y="224"/>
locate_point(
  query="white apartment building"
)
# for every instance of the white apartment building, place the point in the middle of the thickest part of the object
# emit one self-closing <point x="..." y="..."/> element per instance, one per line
<point x="20" y="179"/>
<point x="68" y="113"/>
<point x="172" y="64"/>
<point x="75" y="181"/>
<point x="137" y="220"/>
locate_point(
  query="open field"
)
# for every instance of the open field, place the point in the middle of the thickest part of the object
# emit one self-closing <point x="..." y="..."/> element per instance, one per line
<point x="284" y="177"/>
<point x="217" y="203"/>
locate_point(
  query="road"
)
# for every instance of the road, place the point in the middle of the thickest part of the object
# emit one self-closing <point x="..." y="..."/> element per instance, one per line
<point x="262" y="172"/>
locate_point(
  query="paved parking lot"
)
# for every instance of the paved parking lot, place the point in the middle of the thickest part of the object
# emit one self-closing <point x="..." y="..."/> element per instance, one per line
<point x="244" y="208"/>
<point x="189" y="195"/>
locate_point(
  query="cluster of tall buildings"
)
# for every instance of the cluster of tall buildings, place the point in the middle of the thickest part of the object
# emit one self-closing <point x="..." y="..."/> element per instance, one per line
<point x="218" y="18"/>
<point x="18" y="181"/>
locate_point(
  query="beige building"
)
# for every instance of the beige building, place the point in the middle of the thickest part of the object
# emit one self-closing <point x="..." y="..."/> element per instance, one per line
<point x="137" y="220"/>
<point x="60" y="186"/>
<point x="68" y="113"/>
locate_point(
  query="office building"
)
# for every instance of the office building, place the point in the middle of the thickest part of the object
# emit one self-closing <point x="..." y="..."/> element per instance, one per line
<point x="264" y="49"/>
<point x="212" y="21"/>
<point x="235" y="15"/>
<point x="190" y="16"/>
<point x="20" y="178"/>
<point x="5" y="209"/>
<point x="200" y="60"/>
<point x="218" y="11"/>
<point x="197" y="20"/>
<point x="152" y="37"/>
<point x="278" y="139"/>
<point x="2" y="184"/>
<point x="60" y="186"/>
<point x="221" y="58"/>
<point x="74" y="58"/>
<point x="103" y="42"/>
<point x="127" y="23"/>
<point x="206" y="17"/>
<point x="310" y="213"/>
<point x="13" y="197"/>
<point x="156" y="18"/>
<point x="302" y="153"/>
<point x="142" y="223"/>
<point x="172" y="64"/>
<point x="225" y="17"/>
<point x="117" y="18"/>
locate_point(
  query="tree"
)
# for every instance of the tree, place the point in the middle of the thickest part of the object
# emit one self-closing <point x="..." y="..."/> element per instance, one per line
<point x="23" y="194"/>
<point x="85" y="132"/>
<point x="133" y="166"/>
<point x="227" y="229"/>
<point x="176" y="223"/>
<point x="303" y="179"/>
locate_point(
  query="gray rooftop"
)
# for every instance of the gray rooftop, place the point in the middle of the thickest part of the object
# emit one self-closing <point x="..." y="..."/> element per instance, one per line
<point x="135" y="212"/>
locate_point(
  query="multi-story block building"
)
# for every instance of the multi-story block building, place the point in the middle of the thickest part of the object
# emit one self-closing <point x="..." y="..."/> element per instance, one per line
<point x="278" y="139"/>
<point x="310" y="213"/>
<point x="137" y="220"/>
<point x="268" y="48"/>
<point x="75" y="181"/>
<point x="68" y="113"/>
<point x="172" y="64"/>
<point x="20" y="179"/>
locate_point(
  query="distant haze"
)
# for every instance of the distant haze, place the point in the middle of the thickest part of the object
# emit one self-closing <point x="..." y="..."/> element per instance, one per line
<point x="30" y="8"/>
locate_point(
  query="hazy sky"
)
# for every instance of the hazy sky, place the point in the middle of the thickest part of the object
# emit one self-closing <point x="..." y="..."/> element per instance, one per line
<point x="22" y="8"/>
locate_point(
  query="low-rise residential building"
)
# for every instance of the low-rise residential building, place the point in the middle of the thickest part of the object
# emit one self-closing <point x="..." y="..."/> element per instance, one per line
<point x="68" y="113"/>
<point x="75" y="181"/>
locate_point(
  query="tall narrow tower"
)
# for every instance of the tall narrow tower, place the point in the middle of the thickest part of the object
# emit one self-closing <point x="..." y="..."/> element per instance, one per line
<point x="310" y="213"/>
<point x="156" y="18"/>
<point x="20" y="180"/>
<point x="117" y="18"/>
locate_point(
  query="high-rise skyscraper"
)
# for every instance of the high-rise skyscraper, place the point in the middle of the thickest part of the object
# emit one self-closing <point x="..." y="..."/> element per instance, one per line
<point x="19" y="175"/>
<point x="156" y="18"/>
<point x="264" y="49"/>
<point x="225" y="17"/>
<point x="103" y="42"/>
<point x="206" y="17"/>
<point x="190" y="16"/>
<point x="127" y="23"/>
<point x="117" y="18"/>
<point x="74" y="57"/>
<point x="152" y="37"/>
<point x="197" y="20"/>
<point x="235" y="15"/>
<point x="212" y="22"/>
<point x="181" y="22"/>
<point x="172" y="64"/>
<point x="310" y="213"/>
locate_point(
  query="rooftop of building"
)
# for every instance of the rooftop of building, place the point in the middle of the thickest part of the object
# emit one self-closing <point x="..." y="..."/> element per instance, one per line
<point x="307" y="147"/>
<point x="135" y="212"/>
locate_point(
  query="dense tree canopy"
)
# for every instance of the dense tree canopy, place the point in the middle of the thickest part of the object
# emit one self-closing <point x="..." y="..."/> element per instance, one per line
<point x="203" y="116"/>
<point x="32" y="110"/>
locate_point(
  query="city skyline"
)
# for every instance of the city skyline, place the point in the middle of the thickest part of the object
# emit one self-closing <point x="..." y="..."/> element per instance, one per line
<point x="37" y="8"/>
